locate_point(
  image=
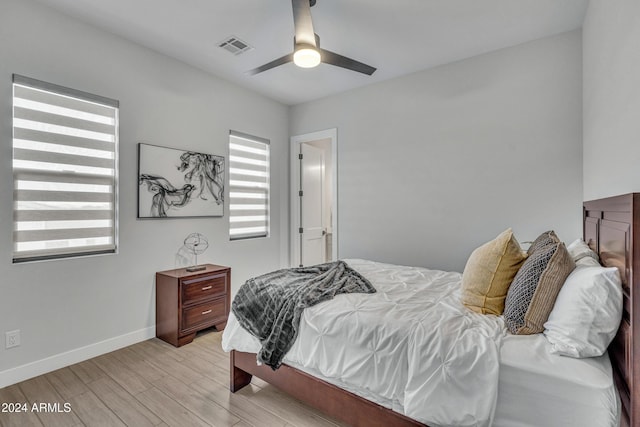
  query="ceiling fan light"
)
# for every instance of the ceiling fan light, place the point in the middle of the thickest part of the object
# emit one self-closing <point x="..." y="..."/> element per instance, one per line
<point x="306" y="57"/>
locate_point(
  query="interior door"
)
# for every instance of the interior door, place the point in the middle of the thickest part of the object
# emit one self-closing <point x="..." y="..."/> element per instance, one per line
<point x="312" y="231"/>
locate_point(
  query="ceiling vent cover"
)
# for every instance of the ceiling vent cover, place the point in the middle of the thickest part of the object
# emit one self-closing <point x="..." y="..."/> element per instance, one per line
<point x="234" y="45"/>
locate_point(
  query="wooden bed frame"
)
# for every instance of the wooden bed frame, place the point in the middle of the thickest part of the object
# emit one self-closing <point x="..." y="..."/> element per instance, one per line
<point x="611" y="228"/>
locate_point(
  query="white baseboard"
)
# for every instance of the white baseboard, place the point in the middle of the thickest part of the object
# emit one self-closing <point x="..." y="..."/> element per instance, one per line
<point x="39" y="367"/>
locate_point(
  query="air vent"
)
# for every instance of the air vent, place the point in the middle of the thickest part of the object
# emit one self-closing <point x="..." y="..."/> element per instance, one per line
<point x="234" y="45"/>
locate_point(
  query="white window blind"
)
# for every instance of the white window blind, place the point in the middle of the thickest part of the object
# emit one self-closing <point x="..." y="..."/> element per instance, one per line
<point x="64" y="171"/>
<point x="248" y="186"/>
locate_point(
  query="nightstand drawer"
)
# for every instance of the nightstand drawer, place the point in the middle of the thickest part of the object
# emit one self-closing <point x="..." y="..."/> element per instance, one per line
<point x="202" y="288"/>
<point x="203" y="313"/>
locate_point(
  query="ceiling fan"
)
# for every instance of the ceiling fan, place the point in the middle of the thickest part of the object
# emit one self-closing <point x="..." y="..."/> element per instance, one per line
<point x="307" y="52"/>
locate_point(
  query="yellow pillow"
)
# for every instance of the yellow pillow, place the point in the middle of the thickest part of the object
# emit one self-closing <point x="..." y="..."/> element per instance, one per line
<point x="489" y="271"/>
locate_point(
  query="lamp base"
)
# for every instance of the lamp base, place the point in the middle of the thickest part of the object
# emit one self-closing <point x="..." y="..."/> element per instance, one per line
<point x="196" y="268"/>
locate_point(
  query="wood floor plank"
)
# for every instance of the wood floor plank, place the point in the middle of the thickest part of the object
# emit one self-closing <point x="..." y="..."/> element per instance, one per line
<point x="93" y="412"/>
<point x="123" y="404"/>
<point x="238" y="404"/>
<point x="168" y="410"/>
<point x="192" y="399"/>
<point x="204" y="367"/>
<point x="221" y="361"/>
<point x="87" y="371"/>
<point x="120" y="372"/>
<point x="146" y="350"/>
<point x="24" y="418"/>
<point x="210" y="344"/>
<point x="39" y="390"/>
<point x="169" y="365"/>
<point x="139" y="364"/>
<point x="287" y="399"/>
<point x="203" y="349"/>
<point x="165" y="348"/>
<point x="293" y="411"/>
<point x="259" y="382"/>
<point x="66" y="383"/>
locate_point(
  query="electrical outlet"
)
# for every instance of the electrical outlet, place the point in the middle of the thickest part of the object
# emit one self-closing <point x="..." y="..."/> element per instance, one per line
<point x="12" y="338"/>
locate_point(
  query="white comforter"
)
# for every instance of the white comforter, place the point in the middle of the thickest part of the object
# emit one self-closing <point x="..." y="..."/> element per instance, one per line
<point x="412" y="346"/>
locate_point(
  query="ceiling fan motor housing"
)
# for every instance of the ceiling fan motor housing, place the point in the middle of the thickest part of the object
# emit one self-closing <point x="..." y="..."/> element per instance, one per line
<point x="296" y="44"/>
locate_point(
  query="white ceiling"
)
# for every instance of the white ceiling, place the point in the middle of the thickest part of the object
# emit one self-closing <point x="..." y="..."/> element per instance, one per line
<point x="396" y="36"/>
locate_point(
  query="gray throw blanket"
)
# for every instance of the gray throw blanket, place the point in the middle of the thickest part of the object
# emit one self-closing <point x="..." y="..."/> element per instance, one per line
<point x="270" y="306"/>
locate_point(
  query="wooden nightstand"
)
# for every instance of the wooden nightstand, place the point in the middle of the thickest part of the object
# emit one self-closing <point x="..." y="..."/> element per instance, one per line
<point x="187" y="302"/>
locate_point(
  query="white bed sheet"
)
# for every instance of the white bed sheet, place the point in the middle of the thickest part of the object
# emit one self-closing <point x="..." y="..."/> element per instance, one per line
<point x="535" y="388"/>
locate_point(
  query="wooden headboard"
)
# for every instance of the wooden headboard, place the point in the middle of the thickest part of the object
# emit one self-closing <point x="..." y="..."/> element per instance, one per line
<point x="612" y="229"/>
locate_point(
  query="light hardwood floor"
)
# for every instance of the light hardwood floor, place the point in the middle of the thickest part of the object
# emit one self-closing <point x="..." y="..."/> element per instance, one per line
<point x="155" y="384"/>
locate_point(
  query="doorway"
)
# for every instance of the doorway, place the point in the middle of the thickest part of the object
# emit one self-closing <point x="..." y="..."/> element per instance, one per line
<point x="314" y="196"/>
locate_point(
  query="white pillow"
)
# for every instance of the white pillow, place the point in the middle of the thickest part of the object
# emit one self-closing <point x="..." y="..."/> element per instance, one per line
<point x="587" y="312"/>
<point x="588" y="261"/>
<point x="582" y="253"/>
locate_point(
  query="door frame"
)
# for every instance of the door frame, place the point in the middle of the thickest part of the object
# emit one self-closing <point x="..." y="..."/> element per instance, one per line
<point x="331" y="134"/>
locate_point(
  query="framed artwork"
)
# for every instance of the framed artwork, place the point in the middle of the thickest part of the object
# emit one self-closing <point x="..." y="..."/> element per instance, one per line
<point x="174" y="183"/>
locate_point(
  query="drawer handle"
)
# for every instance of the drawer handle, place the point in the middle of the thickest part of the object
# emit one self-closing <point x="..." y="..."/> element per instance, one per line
<point x="206" y="312"/>
<point x="206" y="288"/>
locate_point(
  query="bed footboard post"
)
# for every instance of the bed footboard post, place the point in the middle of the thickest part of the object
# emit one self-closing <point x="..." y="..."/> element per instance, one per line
<point x="238" y="377"/>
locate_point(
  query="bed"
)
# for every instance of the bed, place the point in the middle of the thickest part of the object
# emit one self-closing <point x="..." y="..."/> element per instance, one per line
<point x="590" y="387"/>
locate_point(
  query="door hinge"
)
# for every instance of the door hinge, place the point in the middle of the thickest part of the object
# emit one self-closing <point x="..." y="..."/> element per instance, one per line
<point x="300" y="156"/>
<point x="300" y="193"/>
<point x="300" y="230"/>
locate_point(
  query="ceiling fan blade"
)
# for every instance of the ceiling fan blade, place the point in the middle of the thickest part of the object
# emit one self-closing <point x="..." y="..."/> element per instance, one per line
<point x="269" y="65"/>
<point x="302" y="22"/>
<point x="332" y="58"/>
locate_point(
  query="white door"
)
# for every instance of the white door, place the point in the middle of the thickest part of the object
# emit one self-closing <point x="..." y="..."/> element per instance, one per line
<point x="312" y="230"/>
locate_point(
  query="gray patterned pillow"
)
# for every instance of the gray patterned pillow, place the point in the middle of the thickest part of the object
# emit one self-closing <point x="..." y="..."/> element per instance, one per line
<point x="534" y="289"/>
<point x="546" y="238"/>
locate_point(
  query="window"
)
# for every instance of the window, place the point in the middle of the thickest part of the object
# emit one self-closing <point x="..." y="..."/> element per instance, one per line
<point x="248" y="186"/>
<point x="65" y="145"/>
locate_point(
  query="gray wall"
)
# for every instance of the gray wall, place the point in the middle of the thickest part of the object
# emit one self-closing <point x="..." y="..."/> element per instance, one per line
<point x="62" y="306"/>
<point x="611" y="39"/>
<point x="430" y="166"/>
<point x="433" y="164"/>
